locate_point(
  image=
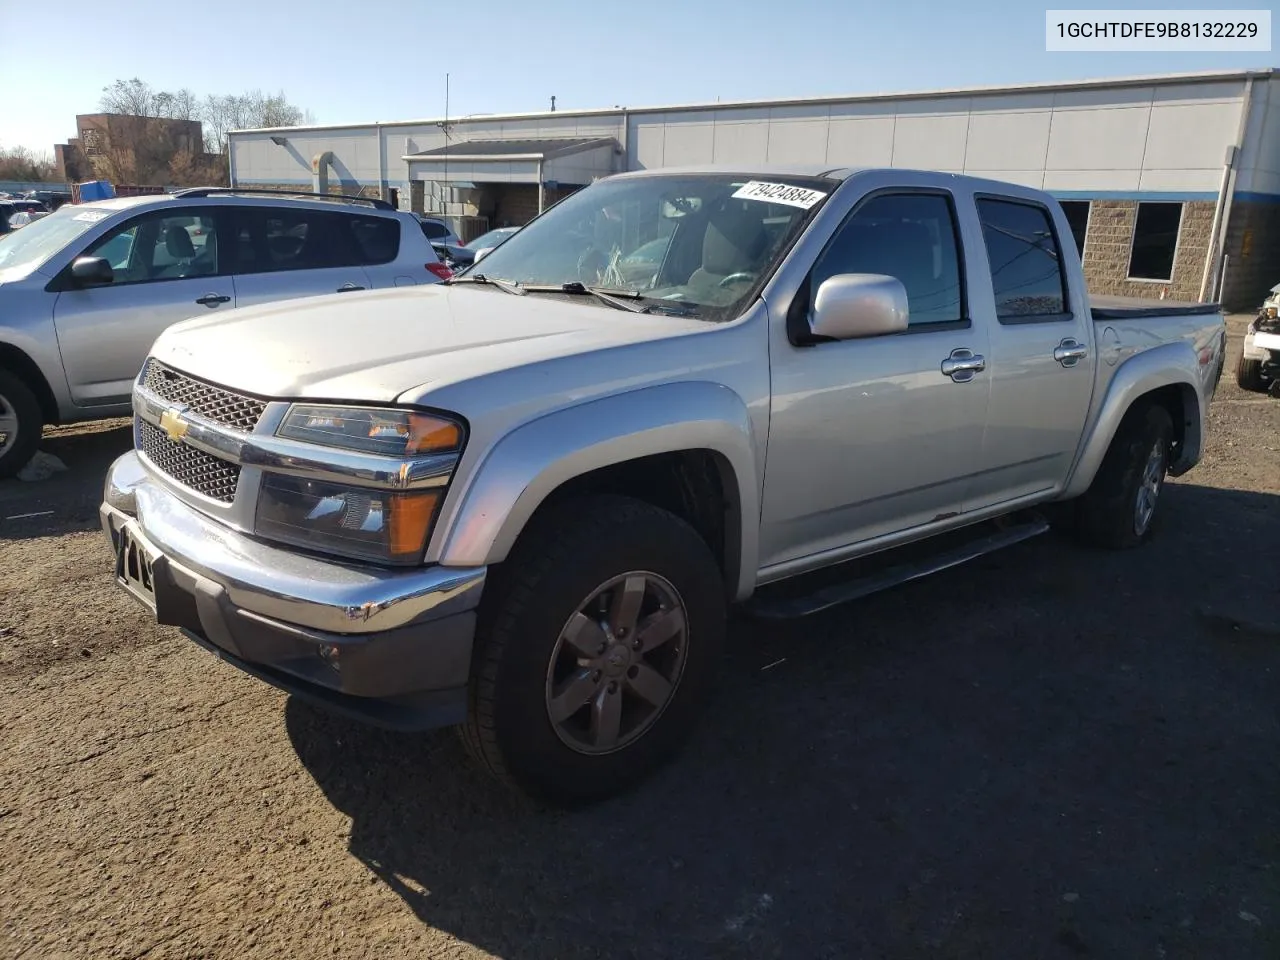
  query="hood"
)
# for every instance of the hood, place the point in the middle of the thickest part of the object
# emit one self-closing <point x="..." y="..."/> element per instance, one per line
<point x="375" y="346"/>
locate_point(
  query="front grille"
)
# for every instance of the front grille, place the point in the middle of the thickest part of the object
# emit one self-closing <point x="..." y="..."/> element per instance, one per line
<point x="203" y="473"/>
<point x="214" y="403"/>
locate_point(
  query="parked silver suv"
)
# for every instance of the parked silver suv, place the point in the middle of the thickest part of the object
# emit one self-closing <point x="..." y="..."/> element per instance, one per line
<point x="85" y="291"/>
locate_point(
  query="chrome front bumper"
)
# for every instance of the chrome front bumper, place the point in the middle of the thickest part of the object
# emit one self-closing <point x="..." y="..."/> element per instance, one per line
<point x="390" y="646"/>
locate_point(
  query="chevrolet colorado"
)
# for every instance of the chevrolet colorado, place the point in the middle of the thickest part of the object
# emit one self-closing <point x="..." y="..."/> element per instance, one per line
<point x="523" y="501"/>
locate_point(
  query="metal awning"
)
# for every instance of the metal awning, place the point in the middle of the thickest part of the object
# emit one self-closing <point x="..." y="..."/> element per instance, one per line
<point x="576" y="160"/>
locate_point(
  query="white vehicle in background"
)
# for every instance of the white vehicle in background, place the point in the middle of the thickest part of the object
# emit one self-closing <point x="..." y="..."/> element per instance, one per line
<point x="85" y="291"/>
<point x="1259" y="367"/>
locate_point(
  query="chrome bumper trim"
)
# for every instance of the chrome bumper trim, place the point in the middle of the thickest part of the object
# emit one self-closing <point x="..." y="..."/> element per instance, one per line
<point x="296" y="588"/>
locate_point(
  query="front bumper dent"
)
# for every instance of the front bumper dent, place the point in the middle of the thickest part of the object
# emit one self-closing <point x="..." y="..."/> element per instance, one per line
<point x="391" y="647"/>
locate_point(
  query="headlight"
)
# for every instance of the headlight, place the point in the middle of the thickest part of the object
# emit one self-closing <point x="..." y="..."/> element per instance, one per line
<point x="358" y="521"/>
<point x="1270" y="312"/>
<point x="391" y="433"/>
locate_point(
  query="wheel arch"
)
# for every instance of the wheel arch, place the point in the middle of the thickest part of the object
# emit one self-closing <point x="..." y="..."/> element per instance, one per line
<point x="1170" y="375"/>
<point x="18" y="362"/>
<point x="686" y="447"/>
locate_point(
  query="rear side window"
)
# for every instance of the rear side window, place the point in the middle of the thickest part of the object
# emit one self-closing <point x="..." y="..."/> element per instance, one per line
<point x="377" y="239"/>
<point x="271" y="239"/>
<point x="434" y="230"/>
<point x="1023" y="253"/>
<point x="908" y="236"/>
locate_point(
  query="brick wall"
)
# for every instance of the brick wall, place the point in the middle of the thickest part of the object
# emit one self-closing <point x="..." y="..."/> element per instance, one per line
<point x="1253" y="251"/>
<point x="1106" y="251"/>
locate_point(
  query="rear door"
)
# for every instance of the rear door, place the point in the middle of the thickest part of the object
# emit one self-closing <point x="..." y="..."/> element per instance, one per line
<point x="168" y="266"/>
<point x="1042" y="363"/>
<point x="281" y="252"/>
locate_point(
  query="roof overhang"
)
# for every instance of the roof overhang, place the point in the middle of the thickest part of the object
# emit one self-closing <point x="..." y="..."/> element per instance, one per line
<point x="504" y="151"/>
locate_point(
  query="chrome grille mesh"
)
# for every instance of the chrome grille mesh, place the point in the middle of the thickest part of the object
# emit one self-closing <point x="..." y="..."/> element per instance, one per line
<point x="211" y="402"/>
<point x="203" y="473"/>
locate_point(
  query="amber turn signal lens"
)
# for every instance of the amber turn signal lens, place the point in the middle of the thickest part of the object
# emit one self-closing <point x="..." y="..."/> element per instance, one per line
<point x="411" y="518"/>
<point x="429" y="434"/>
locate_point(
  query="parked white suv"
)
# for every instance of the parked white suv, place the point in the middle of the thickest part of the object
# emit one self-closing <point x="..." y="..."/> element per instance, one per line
<point x="85" y="291"/>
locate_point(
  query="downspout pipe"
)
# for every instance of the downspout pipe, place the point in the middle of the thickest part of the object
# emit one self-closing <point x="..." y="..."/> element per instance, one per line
<point x="1217" y="242"/>
<point x="541" y="186"/>
<point x="1224" y="192"/>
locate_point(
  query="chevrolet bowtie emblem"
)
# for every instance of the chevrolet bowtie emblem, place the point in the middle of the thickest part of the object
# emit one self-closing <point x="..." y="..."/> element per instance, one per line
<point x="173" y="425"/>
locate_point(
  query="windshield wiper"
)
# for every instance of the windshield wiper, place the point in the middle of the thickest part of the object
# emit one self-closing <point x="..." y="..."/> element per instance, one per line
<point x="614" y="298"/>
<point x="506" y="286"/>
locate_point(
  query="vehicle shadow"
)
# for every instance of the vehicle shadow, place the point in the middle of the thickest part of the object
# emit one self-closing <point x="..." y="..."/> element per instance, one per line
<point x="1049" y="752"/>
<point x="68" y="500"/>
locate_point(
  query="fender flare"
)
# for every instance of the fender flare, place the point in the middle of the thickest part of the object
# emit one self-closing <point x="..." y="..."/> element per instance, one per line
<point x="1170" y="364"/>
<point x="517" y="474"/>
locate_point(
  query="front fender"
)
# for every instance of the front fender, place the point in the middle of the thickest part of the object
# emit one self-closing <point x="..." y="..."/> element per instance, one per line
<point x="1169" y="364"/>
<point x="523" y="468"/>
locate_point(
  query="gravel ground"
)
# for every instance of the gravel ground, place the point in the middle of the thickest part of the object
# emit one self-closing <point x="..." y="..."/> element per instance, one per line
<point x="1048" y="753"/>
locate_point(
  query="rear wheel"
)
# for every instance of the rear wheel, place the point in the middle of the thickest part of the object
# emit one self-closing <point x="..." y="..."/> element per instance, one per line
<point x="1119" y="508"/>
<point x="597" y="639"/>
<point x="21" y="423"/>
<point x="1249" y="375"/>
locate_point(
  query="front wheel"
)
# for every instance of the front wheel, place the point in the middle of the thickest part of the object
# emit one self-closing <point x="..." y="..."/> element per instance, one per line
<point x="21" y="424"/>
<point x="1119" y="508"/>
<point x="597" y="639"/>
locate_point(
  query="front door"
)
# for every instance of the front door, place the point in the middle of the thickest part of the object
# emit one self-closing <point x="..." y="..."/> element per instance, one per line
<point x="869" y="437"/>
<point x="166" y="268"/>
<point x="1041" y="367"/>
<point x="282" y="253"/>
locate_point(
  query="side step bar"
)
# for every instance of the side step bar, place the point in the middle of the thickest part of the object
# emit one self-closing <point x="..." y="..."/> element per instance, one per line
<point x="831" y="595"/>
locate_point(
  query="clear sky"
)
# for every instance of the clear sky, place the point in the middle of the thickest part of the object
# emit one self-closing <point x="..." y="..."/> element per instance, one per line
<point x="351" y="61"/>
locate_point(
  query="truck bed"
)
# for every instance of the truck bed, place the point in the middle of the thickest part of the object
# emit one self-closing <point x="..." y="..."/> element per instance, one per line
<point x="1136" y="308"/>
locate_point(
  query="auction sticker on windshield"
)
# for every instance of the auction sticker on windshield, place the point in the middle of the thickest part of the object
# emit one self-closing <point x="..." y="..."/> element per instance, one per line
<point x="779" y="193"/>
<point x="92" y="216"/>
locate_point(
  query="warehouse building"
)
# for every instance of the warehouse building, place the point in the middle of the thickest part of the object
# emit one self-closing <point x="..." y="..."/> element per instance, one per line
<point x="1171" y="183"/>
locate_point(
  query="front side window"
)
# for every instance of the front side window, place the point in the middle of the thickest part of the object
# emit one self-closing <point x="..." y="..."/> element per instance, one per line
<point x="911" y="237"/>
<point x="697" y="244"/>
<point x="160" y="246"/>
<point x="1026" y="267"/>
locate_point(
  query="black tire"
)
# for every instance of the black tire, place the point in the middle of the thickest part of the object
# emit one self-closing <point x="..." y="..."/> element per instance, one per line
<point x="17" y="398"/>
<point x="566" y="554"/>
<point x="1108" y="515"/>
<point x="1249" y="375"/>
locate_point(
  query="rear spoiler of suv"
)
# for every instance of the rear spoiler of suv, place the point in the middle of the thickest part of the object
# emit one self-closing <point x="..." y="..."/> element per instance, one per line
<point x="375" y="202"/>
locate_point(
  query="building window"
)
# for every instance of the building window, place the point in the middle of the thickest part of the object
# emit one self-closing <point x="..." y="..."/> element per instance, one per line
<point x="1077" y="212"/>
<point x="1155" y="238"/>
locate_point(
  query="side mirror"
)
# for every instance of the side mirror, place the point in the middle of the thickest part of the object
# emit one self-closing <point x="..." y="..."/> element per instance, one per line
<point x="481" y="253"/>
<point x="92" y="271"/>
<point x="850" y="306"/>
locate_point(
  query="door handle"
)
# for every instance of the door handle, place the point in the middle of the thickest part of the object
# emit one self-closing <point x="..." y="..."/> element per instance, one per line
<point x="1070" y="352"/>
<point x="963" y="365"/>
<point x="348" y="287"/>
<point x="212" y="299"/>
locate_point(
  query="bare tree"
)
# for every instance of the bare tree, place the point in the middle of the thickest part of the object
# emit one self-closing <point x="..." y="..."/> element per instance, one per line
<point x="19" y="163"/>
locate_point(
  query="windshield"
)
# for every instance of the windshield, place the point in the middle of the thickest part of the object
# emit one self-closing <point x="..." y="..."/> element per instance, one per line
<point x="39" y="240"/>
<point x="698" y="243"/>
<point x="492" y="238"/>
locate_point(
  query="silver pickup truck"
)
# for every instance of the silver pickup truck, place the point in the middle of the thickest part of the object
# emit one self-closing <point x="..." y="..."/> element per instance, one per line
<point x="440" y="506"/>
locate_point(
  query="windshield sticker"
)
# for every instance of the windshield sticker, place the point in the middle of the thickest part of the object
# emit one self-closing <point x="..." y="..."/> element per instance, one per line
<point x="90" y="216"/>
<point x="779" y="193"/>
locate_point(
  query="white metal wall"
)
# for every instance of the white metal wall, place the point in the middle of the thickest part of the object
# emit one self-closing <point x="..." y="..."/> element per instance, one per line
<point x="1161" y="138"/>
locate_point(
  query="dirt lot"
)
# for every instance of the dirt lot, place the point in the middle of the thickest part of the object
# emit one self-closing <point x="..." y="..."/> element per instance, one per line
<point x="1049" y="753"/>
